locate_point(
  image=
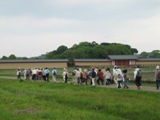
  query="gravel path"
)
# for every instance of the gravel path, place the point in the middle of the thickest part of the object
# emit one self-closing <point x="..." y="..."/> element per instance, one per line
<point x="131" y="87"/>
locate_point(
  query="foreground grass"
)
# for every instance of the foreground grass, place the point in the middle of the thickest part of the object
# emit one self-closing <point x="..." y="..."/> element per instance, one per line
<point x="29" y="100"/>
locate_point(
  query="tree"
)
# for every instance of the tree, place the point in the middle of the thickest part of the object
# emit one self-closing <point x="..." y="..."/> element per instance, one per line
<point x="155" y="54"/>
<point x="61" y="49"/>
<point x="87" y="50"/>
<point x="94" y="43"/>
<point x="12" y="57"/>
<point x="4" y="58"/>
<point x="144" y="55"/>
<point x="134" y="50"/>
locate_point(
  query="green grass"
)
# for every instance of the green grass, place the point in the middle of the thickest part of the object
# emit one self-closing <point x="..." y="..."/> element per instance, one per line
<point x="28" y="100"/>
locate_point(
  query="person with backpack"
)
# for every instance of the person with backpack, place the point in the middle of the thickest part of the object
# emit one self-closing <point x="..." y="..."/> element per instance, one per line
<point x="119" y="77"/>
<point x="157" y="76"/>
<point x="107" y="77"/>
<point x="54" y="73"/>
<point x="126" y="78"/>
<point x="138" y="77"/>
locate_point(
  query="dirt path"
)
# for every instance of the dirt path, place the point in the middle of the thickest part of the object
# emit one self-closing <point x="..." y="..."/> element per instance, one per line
<point x="131" y="87"/>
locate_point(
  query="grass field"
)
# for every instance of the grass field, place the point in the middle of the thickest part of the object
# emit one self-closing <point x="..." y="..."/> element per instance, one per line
<point x="29" y="100"/>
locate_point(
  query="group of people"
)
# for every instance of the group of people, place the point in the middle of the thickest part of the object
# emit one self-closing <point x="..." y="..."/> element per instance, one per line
<point x="93" y="76"/>
<point x="101" y="76"/>
<point x="36" y="74"/>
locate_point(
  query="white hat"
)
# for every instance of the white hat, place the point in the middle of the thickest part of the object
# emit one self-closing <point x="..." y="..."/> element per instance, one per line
<point x="157" y="67"/>
<point x="115" y="67"/>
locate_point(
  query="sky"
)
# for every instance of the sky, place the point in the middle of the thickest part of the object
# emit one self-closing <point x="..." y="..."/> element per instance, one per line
<point x="30" y="28"/>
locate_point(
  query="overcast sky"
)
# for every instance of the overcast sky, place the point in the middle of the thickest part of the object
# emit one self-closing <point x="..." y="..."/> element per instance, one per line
<point x="33" y="27"/>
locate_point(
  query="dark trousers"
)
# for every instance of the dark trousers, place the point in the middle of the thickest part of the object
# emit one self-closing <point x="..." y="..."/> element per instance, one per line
<point x="119" y="84"/>
<point x="100" y="80"/>
<point x="157" y="83"/>
<point x="65" y="80"/>
<point x="108" y="82"/>
<point x="47" y="76"/>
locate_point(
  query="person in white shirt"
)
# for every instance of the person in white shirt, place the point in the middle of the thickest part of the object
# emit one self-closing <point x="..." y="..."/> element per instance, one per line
<point x="65" y="75"/>
<point x="107" y="77"/>
<point x="138" y="77"/>
<point x="119" y="77"/>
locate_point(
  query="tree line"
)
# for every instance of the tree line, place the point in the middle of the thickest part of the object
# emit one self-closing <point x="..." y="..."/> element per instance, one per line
<point x="90" y="50"/>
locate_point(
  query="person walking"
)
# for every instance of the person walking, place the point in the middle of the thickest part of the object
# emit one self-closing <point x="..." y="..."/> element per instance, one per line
<point x="47" y="74"/>
<point x="119" y="77"/>
<point x="85" y="76"/>
<point x="107" y="77"/>
<point x="100" y="77"/>
<point x="114" y="74"/>
<point x="54" y="73"/>
<point x="43" y="74"/>
<point x="19" y="74"/>
<point x="65" y="75"/>
<point x="126" y="78"/>
<point x="93" y="76"/>
<point x="157" y="76"/>
<point x="73" y="76"/>
<point x="25" y="73"/>
<point x="138" y="77"/>
<point x="77" y="76"/>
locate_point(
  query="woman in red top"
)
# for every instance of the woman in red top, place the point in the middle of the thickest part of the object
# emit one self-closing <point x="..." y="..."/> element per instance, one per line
<point x="100" y="77"/>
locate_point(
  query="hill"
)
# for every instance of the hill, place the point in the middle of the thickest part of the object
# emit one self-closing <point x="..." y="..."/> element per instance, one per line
<point x="90" y="50"/>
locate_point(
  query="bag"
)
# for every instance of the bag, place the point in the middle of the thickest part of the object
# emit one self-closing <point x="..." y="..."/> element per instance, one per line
<point x="158" y="75"/>
<point x="126" y="77"/>
<point x="118" y="76"/>
<point x="66" y="76"/>
<point x="73" y="73"/>
<point x="139" y="73"/>
<point x="54" y="73"/>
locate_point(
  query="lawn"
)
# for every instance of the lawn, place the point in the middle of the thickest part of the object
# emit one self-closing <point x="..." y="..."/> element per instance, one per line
<point x="29" y="100"/>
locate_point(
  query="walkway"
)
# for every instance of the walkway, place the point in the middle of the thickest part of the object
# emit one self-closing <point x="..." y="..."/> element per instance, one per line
<point x="131" y="87"/>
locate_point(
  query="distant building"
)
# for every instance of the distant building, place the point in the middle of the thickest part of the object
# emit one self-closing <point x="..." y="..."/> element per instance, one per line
<point x="92" y="62"/>
<point x="111" y="60"/>
<point x="122" y="60"/>
<point x="148" y="62"/>
<point x="58" y="63"/>
<point x="119" y="60"/>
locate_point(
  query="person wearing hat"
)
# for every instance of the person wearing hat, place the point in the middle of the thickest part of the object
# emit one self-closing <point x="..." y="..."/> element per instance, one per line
<point x="114" y="74"/>
<point x="157" y="76"/>
<point x="65" y="75"/>
<point x="19" y="74"/>
<point x="107" y="77"/>
<point x="138" y="77"/>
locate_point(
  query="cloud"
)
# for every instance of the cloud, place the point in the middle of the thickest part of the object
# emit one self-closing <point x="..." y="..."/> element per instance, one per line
<point x="140" y="33"/>
<point x="23" y="22"/>
<point x="78" y="2"/>
<point x="34" y="45"/>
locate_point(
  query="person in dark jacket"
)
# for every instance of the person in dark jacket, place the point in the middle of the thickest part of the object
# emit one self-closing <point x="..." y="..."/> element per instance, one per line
<point x="157" y="76"/>
<point x="93" y="75"/>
